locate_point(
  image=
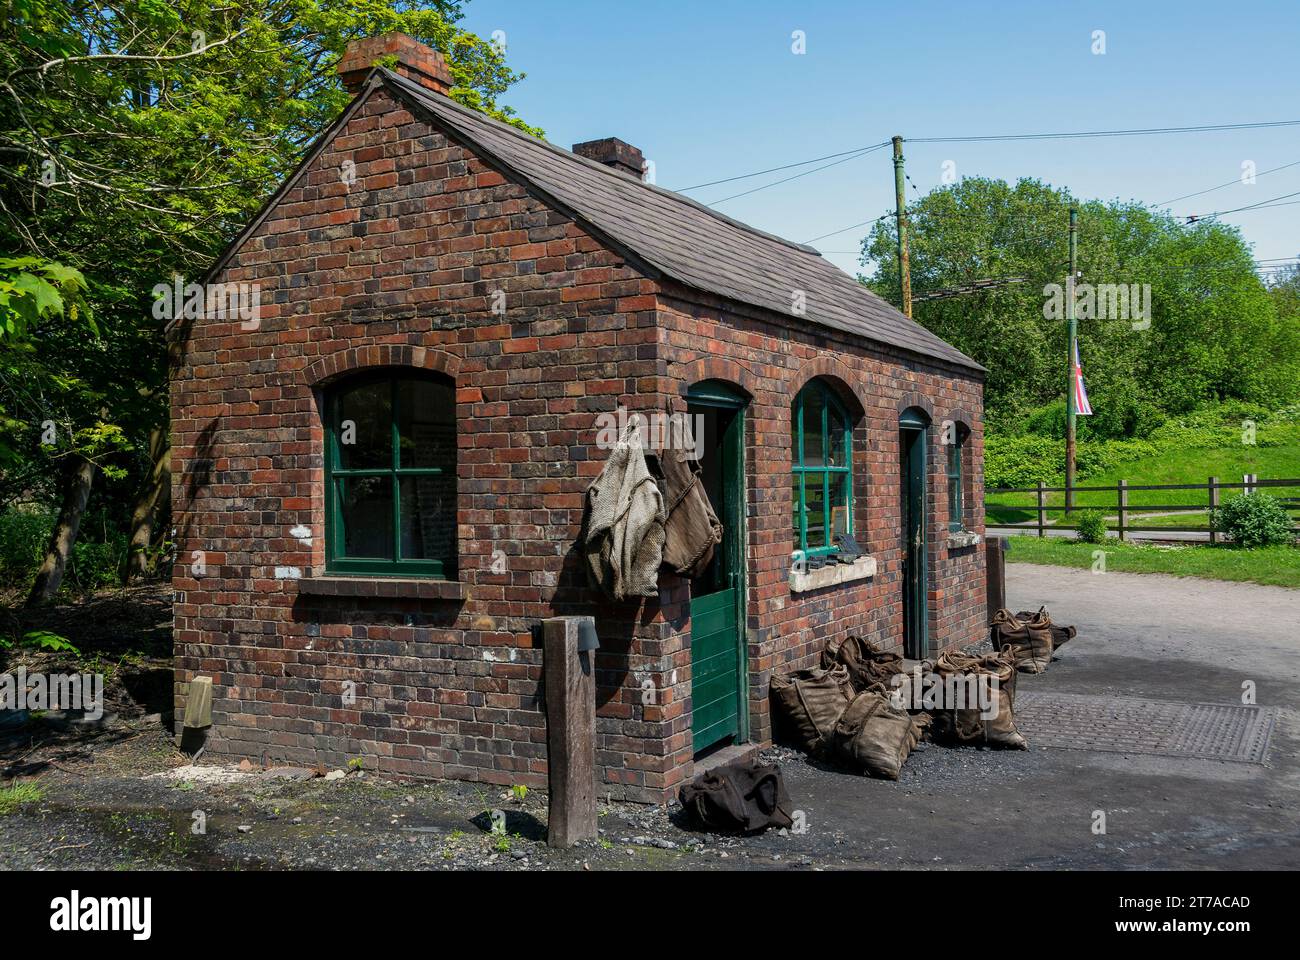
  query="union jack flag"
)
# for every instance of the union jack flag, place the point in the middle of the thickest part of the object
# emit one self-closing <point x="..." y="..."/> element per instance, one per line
<point x="1081" y="405"/>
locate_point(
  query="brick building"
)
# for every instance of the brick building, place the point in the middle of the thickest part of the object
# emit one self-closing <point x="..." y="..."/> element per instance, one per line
<point x="379" y="480"/>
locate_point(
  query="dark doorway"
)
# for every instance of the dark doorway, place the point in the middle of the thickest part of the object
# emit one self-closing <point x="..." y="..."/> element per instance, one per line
<point x="913" y="436"/>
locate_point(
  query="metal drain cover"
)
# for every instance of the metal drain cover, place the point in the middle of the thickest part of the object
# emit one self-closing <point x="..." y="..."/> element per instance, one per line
<point x="1158" y="728"/>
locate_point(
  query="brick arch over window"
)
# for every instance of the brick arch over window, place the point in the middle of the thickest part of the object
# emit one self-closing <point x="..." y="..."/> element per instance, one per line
<point x="714" y="368"/>
<point x="917" y="400"/>
<point x="357" y="359"/>
<point x="838" y="376"/>
<point x="962" y="416"/>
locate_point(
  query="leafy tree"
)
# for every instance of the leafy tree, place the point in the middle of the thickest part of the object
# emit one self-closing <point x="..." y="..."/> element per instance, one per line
<point x="33" y="289"/>
<point x="1285" y="291"/>
<point x="1214" y="332"/>
<point x="138" y="137"/>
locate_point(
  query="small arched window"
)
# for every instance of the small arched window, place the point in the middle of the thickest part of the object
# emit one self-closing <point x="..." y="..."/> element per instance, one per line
<point x="390" y="464"/>
<point x="822" y="501"/>
<point x="956" y="444"/>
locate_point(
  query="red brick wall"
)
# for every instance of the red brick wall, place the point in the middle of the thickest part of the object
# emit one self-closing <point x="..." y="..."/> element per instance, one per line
<point x="400" y="268"/>
<point x="771" y="358"/>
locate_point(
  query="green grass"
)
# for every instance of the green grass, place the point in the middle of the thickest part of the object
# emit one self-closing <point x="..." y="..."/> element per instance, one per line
<point x="1274" y="566"/>
<point x="14" y="796"/>
<point x="1189" y="464"/>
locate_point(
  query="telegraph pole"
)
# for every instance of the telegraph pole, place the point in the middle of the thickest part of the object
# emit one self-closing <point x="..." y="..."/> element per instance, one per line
<point x="904" y="268"/>
<point x="1071" y="404"/>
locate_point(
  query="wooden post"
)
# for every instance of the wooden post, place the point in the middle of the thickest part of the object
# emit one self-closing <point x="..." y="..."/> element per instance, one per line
<point x="1123" y="506"/>
<point x="570" y="679"/>
<point x="995" y="558"/>
<point x="1042" y="511"/>
<point x="1214" y="503"/>
<point x="198" y="703"/>
<point x="900" y="212"/>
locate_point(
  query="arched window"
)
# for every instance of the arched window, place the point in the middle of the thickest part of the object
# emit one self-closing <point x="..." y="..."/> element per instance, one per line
<point x="956" y="444"/>
<point x="390" y="463"/>
<point x="822" y="498"/>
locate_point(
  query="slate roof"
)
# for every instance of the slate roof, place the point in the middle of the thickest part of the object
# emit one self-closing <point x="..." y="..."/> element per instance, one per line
<point x="683" y="239"/>
<point x="673" y="234"/>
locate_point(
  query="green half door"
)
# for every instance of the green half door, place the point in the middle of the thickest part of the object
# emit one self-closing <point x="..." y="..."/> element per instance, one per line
<point x="718" y="707"/>
<point x="912" y="438"/>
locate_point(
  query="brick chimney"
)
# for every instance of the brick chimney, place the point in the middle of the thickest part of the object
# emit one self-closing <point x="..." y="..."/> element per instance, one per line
<point x="613" y="152"/>
<point x="415" y="61"/>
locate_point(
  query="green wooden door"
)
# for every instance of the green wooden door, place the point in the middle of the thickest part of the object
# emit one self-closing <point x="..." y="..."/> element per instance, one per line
<point x="718" y="671"/>
<point x="913" y="434"/>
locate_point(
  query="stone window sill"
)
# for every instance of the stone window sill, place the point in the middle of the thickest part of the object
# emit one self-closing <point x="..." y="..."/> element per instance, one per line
<point x="863" y="568"/>
<point x="335" y="585"/>
<point x="959" y="539"/>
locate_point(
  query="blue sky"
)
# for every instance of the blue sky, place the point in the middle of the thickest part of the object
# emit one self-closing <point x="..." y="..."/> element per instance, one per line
<point x="711" y="89"/>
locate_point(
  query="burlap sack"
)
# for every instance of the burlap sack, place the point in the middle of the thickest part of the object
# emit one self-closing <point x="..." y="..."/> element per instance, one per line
<point x="1030" y="643"/>
<point x="868" y="665"/>
<point x="970" y="725"/>
<point x="692" y="530"/>
<point x="1042" y="618"/>
<point x="874" y="736"/>
<point x="809" y="702"/>
<point x="739" y="797"/>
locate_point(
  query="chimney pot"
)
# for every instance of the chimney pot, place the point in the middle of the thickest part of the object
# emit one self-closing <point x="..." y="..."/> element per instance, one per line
<point x="415" y="61"/>
<point x="613" y="152"/>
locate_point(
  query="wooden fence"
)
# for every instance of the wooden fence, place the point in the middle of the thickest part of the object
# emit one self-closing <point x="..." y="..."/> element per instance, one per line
<point x="1122" y="510"/>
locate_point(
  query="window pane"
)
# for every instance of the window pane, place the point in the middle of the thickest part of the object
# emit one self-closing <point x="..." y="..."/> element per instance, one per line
<point x="954" y="500"/>
<point x="365" y="427"/>
<point x="839" y="504"/>
<point x="814" y="451"/>
<point x="815" y="497"/>
<point x="366" y="509"/>
<point x="835" y="437"/>
<point x="426" y="426"/>
<point x="428" y="517"/>
<point x="954" y="459"/>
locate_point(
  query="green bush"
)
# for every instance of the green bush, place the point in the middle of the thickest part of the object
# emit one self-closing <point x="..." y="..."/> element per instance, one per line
<point x="1022" y="461"/>
<point x="1123" y="418"/>
<point x="1253" y="520"/>
<point x="99" y="564"/>
<point x="24" y="535"/>
<point x="1090" y="526"/>
<point x="1048" y="421"/>
<point x="1099" y="456"/>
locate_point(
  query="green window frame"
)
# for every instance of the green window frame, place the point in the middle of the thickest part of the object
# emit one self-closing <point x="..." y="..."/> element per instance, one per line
<point x="822" y="469"/>
<point x="956" y="505"/>
<point x="385" y="517"/>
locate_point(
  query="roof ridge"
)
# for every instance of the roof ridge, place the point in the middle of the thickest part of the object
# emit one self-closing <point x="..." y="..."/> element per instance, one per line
<point x="423" y="93"/>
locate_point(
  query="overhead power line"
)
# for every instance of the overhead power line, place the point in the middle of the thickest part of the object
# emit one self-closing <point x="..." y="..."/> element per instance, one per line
<point x="796" y="176"/>
<point x="1139" y="132"/>
<point x="1230" y="183"/>
<point x="1263" y="204"/>
<point x="788" y="166"/>
<point x="854" y="226"/>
